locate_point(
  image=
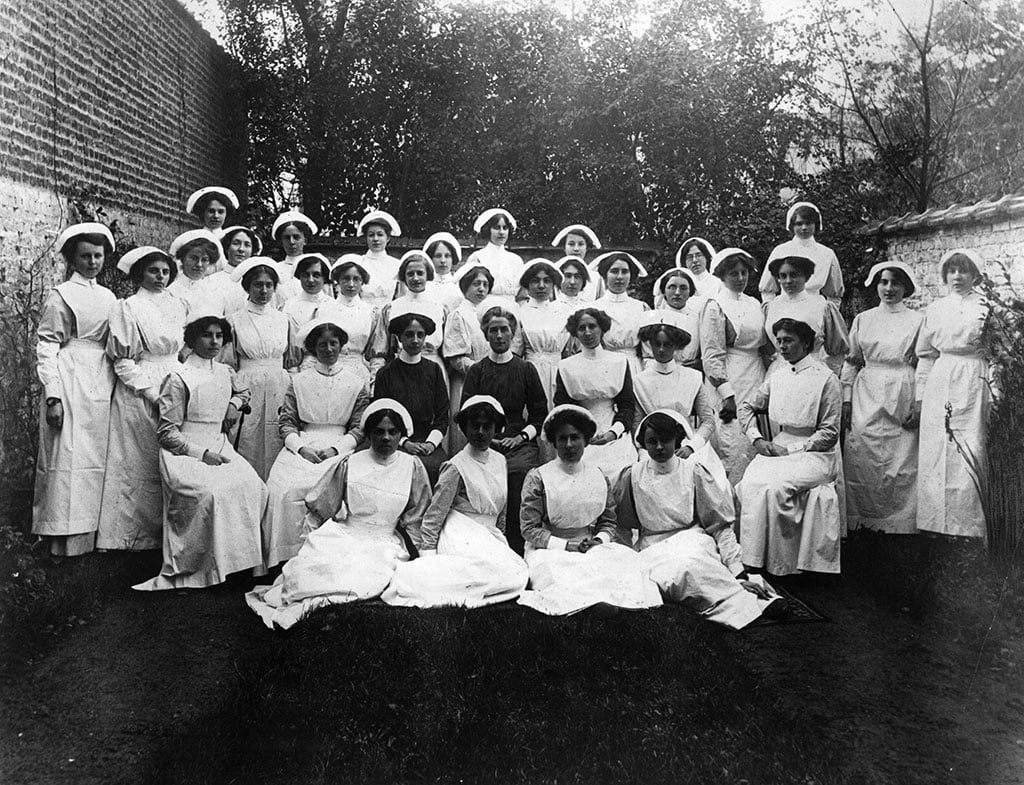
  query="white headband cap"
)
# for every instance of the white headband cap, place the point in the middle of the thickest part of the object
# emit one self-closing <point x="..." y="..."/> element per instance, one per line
<point x="684" y="272"/>
<point x="320" y="321"/>
<point x="664" y="316"/>
<point x="970" y="253"/>
<point x="448" y="239"/>
<point x="289" y="217"/>
<point x="428" y="308"/>
<point x="237" y="273"/>
<point x="489" y="400"/>
<point x="423" y="256"/>
<point x="595" y="266"/>
<point x="671" y="413"/>
<point x="324" y="262"/>
<point x="725" y="253"/>
<point x="576" y="261"/>
<point x="379" y="217"/>
<point x="191" y="235"/>
<point x="569" y="407"/>
<point x="465" y="270"/>
<point x="212" y="189"/>
<point x="586" y="231"/>
<point x="257" y="243"/>
<point x="355" y="260"/>
<point x="792" y="211"/>
<point x="75" y="230"/>
<point x="876" y="270"/>
<point x="490" y="213"/>
<point x="388" y="404"/>
<point x="126" y="262"/>
<point x="541" y="264"/>
<point x="709" y="249"/>
<point x="203" y="313"/>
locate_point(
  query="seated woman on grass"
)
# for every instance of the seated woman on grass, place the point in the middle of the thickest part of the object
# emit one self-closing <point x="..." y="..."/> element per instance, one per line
<point x="360" y="518"/>
<point x="464" y="557"/>
<point x="685" y="520"/>
<point x="568" y="521"/>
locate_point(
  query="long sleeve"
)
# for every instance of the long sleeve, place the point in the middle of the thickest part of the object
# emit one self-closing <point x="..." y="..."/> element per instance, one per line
<point x="606" y="526"/>
<point x="716" y="511"/>
<point x="625" y="405"/>
<point x="826" y="435"/>
<point x="439" y="424"/>
<point x="123" y="344"/>
<point x="240" y="393"/>
<point x="833" y="288"/>
<point x="705" y="416"/>
<point x="536" y="402"/>
<point x="449" y="485"/>
<point x="411" y="518"/>
<point x="854" y="360"/>
<point x="750" y="408"/>
<point x="533" y="511"/>
<point x="173" y="406"/>
<point x="325" y="499"/>
<point x="927" y="354"/>
<point x="836" y="339"/>
<point x="354" y="428"/>
<point x="56" y="327"/>
<point x="288" y="420"/>
<point x="713" y="326"/>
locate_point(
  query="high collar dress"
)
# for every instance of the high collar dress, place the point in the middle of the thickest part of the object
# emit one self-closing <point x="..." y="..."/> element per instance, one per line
<point x="301" y="310"/>
<point x="361" y="322"/>
<point x="464" y="345"/>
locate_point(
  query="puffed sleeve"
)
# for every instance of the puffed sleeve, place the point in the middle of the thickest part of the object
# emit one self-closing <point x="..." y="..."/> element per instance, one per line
<point x="56" y="328"/>
<point x="240" y="393"/>
<point x="716" y="511"/>
<point x="606" y="525"/>
<point x="854" y="360"/>
<point x="626" y="519"/>
<point x="458" y="343"/>
<point x="419" y="499"/>
<point x="173" y="406"/>
<point x="533" y="514"/>
<point x="753" y="406"/>
<point x="449" y="484"/>
<point x="713" y="326"/>
<point x="836" y="339"/>
<point x="354" y="428"/>
<point x="833" y="288"/>
<point x="325" y="499"/>
<point x="124" y="343"/>
<point x="380" y="339"/>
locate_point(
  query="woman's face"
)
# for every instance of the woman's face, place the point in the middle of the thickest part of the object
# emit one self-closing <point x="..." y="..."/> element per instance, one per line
<point x="891" y="289"/>
<point x="416" y="277"/>
<point x="239" y="249"/>
<point x="209" y="342"/>
<point x="499" y="334"/>
<point x="617" y="278"/>
<point x="350" y="282"/>
<point x="215" y="214"/>
<point x="677" y="292"/>
<point x="412" y="338"/>
<point x="662" y="348"/>
<point x="261" y="288"/>
<point x="959" y="278"/>
<point x="736" y="279"/>
<point x="803" y="229"/>
<point x="572" y="280"/>
<point x="194" y="263"/>
<point x="660" y="446"/>
<point x="570" y="443"/>
<point x="589" y="332"/>
<point x="575" y="245"/>
<point x="442" y="259"/>
<point x="293" y="241"/>
<point x="376" y="238"/>
<point x="312" y="278"/>
<point x="87" y="260"/>
<point x="155" y="276"/>
<point x="791" y="280"/>
<point x="478" y="289"/>
<point x="541" y="287"/>
<point x="328" y="347"/>
<point x="384" y="437"/>
<point x="499" y="231"/>
<point x="695" y="260"/>
<point x="792" y="349"/>
<point x="480" y="431"/>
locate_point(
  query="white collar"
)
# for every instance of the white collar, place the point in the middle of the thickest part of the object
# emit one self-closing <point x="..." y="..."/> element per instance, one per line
<point x="569" y="468"/>
<point x="480" y="456"/>
<point x="668" y="467"/>
<point x="805" y="363"/>
<point x="349" y="302"/>
<point x="311" y="298"/>
<point x="664" y="368"/>
<point x="795" y="298"/>
<point x="329" y="370"/>
<point x="897" y="308"/>
<point x="500" y="359"/>
<point x="409" y="359"/>
<point x="196" y="361"/>
<point x="532" y="302"/>
<point x="81" y="280"/>
<point x="612" y="297"/>
<point x="593" y="354"/>
<point x="252" y="307"/>
<point x="291" y="260"/>
<point x="383" y="461"/>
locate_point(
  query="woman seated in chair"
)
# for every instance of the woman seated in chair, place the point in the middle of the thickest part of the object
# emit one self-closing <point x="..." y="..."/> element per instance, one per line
<point x="790" y="513"/>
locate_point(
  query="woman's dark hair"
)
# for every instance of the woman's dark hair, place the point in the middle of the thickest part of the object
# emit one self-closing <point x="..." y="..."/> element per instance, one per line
<point x="318" y="332"/>
<point x="584" y="425"/>
<point x="401" y="323"/>
<point x="485" y="230"/>
<point x="498" y="312"/>
<point x="604" y="321"/>
<point x="309" y="261"/>
<point x="380" y="224"/>
<point x="663" y="425"/>
<point x="581" y="267"/>
<point x="432" y="249"/>
<point x="806" y="214"/>
<point x="467" y="278"/>
<point x="375" y="419"/>
<point x="194" y="329"/>
<point x="250" y="275"/>
<point x="801" y="330"/>
<point x="337" y="271"/>
<point x="298" y="225"/>
<point x="71" y="246"/>
<point x="962" y="262"/>
<point x="225" y="241"/>
<point x="137" y="270"/>
<point x="478" y="409"/>
<point x="731" y="262"/>
<point x="694" y="244"/>
<point x="554" y="274"/>
<point x="685" y="275"/>
<point x="903" y="278"/>
<point x="204" y="201"/>
<point x="676" y="335"/>
<point x="428" y="267"/>
<point x="211" y="248"/>
<point x="801" y="264"/>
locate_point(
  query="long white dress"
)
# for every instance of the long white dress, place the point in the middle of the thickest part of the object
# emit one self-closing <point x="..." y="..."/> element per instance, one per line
<point x="625" y="313"/>
<point x="790" y="517"/>
<point x="951" y="370"/>
<point x="506" y="268"/>
<point x="360" y="320"/>
<point x="212" y="513"/>
<point x="826" y="280"/>
<point x="260" y="344"/>
<point x="147" y="331"/>
<point x="600" y="382"/>
<point x="542" y="325"/>
<point x="563" y="502"/>
<point x="353" y="546"/>
<point x="73" y="367"/>
<point x="464" y="346"/>
<point x="382" y="269"/>
<point x="322" y="409"/>
<point x="880" y="460"/>
<point x="465" y="559"/>
<point x="686" y="544"/>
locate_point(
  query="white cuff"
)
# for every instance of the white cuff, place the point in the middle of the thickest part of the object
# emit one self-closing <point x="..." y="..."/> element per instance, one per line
<point x="435" y="438"/>
<point x="847" y="394"/>
<point x="725" y="390"/>
<point x="556" y="543"/>
<point x="618" y="428"/>
<point x="796" y="447"/>
<point x="754" y="433"/>
<point x="196" y="452"/>
<point x="237" y="402"/>
<point x="52" y="390"/>
<point x="293" y="442"/>
<point x="604" y="537"/>
<point x="696" y="442"/>
<point x="530" y="431"/>
<point x="428" y="551"/>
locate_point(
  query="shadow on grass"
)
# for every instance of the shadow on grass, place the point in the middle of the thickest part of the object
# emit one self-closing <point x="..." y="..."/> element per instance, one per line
<point x="372" y="694"/>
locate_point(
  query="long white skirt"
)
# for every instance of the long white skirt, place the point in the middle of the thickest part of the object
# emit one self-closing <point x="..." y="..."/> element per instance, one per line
<point x="790" y="517"/>
<point x="565" y="582"/>
<point x="473" y="567"/>
<point x="687" y="569"/>
<point x="338" y="563"/>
